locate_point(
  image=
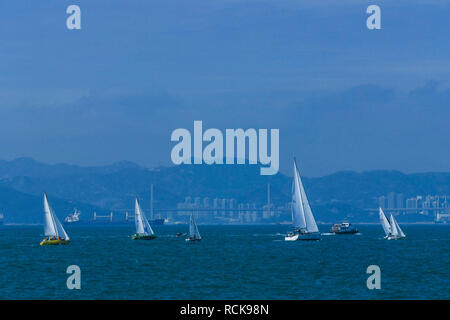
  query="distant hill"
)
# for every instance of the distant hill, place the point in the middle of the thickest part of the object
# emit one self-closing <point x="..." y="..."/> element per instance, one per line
<point x="104" y="188"/>
<point x="20" y="207"/>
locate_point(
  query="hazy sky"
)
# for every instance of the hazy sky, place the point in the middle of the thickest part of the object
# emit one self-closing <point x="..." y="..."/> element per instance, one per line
<point x="344" y="97"/>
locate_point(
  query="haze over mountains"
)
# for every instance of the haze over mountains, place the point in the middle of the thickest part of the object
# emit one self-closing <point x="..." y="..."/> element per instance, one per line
<point x="104" y="188"/>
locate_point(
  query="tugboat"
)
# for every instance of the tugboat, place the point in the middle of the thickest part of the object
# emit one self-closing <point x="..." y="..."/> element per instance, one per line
<point x="180" y="234"/>
<point x="343" y="228"/>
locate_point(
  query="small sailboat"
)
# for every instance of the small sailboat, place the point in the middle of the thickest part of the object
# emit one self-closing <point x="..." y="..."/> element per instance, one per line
<point x="143" y="229"/>
<point x="53" y="229"/>
<point x="391" y="229"/>
<point x="194" y="235"/>
<point x="304" y="224"/>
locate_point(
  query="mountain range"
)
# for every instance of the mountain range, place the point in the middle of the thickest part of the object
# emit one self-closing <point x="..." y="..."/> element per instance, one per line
<point x="342" y="195"/>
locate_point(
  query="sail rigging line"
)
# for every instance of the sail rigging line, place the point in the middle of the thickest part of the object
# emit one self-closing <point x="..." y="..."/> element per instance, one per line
<point x="394" y="230"/>
<point x="193" y="229"/>
<point x="384" y="222"/>
<point x="298" y="220"/>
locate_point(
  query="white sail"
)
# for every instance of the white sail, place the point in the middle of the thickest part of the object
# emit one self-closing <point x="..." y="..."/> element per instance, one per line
<point x="400" y="231"/>
<point x="193" y="230"/>
<point x="52" y="226"/>
<point x="147" y="228"/>
<point x="298" y="215"/>
<point x="384" y="222"/>
<point x="311" y="225"/>
<point x="49" y="223"/>
<point x="394" y="230"/>
<point x="142" y="225"/>
<point x="138" y="218"/>
<point x="61" y="232"/>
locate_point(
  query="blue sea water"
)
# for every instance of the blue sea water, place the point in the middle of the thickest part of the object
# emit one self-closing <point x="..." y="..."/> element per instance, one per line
<point x="231" y="262"/>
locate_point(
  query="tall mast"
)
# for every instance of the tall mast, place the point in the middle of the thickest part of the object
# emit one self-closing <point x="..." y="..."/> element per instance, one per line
<point x="151" y="202"/>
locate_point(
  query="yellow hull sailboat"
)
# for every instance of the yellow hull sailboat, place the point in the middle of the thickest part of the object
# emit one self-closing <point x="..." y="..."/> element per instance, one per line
<point x="53" y="229"/>
<point x="54" y="242"/>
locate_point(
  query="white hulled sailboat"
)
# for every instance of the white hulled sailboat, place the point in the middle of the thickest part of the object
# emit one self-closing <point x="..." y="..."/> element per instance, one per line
<point x="305" y="227"/>
<point x="391" y="229"/>
<point x="53" y="229"/>
<point x="194" y="235"/>
<point x="143" y="229"/>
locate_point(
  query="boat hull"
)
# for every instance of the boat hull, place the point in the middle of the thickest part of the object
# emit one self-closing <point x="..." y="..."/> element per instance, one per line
<point x="139" y="237"/>
<point x="346" y="232"/>
<point x="303" y="237"/>
<point x="192" y="239"/>
<point x="394" y="238"/>
<point x="47" y="242"/>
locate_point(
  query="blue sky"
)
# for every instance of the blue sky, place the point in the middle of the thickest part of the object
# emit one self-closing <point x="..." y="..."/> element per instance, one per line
<point x="343" y="97"/>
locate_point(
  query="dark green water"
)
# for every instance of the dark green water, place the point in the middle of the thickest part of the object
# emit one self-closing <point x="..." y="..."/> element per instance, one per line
<point x="232" y="262"/>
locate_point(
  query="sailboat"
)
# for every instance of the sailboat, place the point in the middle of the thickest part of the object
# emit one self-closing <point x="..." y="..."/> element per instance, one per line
<point x="194" y="235"/>
<point x="53" y="229"/>
<point x="304" y="224"/>
<point x="143" y="229"/>
<point x="391" y="229"/>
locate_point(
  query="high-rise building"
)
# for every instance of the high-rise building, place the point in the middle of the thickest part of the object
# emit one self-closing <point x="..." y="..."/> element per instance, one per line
<point x="232" y="206"/>
<point x="248" y="216"/>
<point x="267" y="211"/>
<point x="216" y="205"/>
<point x="400" y="200"/>
<point x="206" y="203"/>
<point x="254" y="213"/>
<point x="223" y="205"/>
<point x="411" y="203"/>
<point x="419" y="201"/>
<point x="391" y="200"/>
<point x="241" y="213"/>
<point x="382" y="202"/>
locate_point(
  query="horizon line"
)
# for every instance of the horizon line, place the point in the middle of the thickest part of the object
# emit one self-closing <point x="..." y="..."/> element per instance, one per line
<point x="155" y="168"/>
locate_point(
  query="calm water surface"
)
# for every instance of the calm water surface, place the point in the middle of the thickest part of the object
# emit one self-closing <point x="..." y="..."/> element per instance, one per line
<point x="231" y="262"/>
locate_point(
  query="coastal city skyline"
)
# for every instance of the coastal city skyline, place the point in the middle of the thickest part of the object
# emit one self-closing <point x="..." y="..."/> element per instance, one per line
<point x="229" y="210"/>
<point x="437" y="206"/>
